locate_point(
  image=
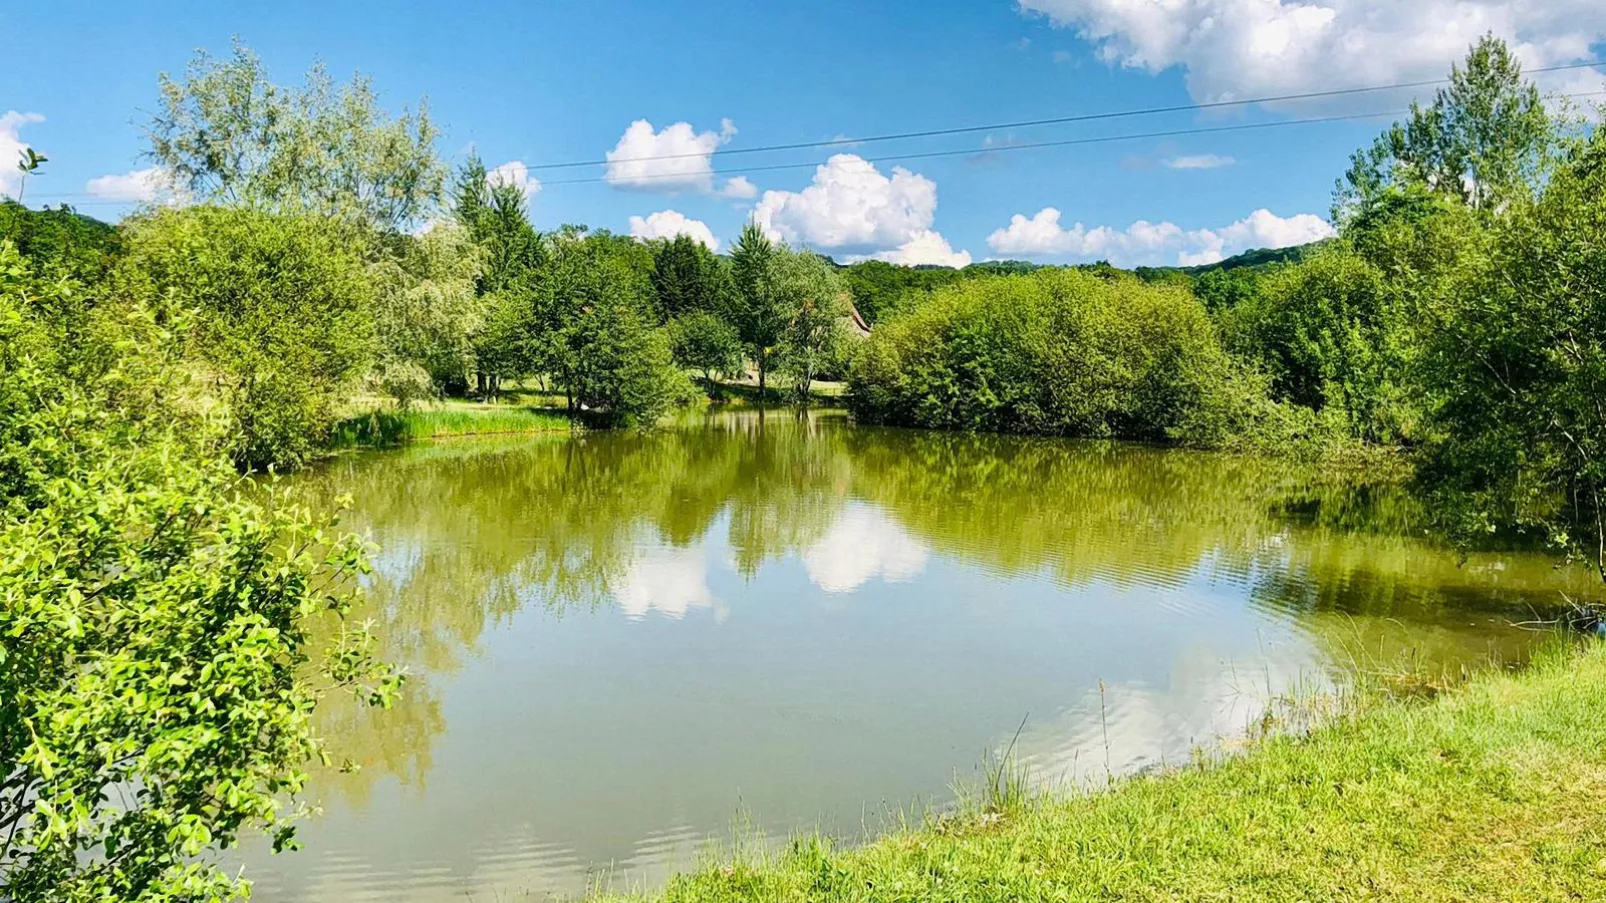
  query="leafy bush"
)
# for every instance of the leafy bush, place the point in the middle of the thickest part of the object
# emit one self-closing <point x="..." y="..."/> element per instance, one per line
<point x="1056" y="352"/>
<point x="1331" y="334"/>
<point x="284" y="317"/>
<point x="1517" y="364"/>
<point x="706" y="343"/>
<point x="156" y="624"/>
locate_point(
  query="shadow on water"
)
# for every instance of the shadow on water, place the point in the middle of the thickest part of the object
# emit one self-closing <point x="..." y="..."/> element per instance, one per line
<point x="617" y="640"/>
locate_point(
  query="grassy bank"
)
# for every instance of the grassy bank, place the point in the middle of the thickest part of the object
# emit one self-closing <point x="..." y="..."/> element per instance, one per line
<point x="1494" y="791"/>
<point x="382" y="429"/>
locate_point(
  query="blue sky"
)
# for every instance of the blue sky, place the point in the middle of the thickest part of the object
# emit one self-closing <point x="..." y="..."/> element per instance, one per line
<point x="537" y="83"/>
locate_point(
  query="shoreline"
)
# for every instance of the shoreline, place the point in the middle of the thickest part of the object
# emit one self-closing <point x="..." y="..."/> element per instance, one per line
<point x="1492" y="790"/>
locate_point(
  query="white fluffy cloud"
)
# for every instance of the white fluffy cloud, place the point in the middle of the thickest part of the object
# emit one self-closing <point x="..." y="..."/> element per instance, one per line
<point x="740" y="188"/>
<point x="926" y="248"/>
<point x="676" y="159"/>
<point x="1261" y="229"/>
<point x="140" y="186"/>
<point x="1199" y="161"/>
<point x="1239" y="49"/>
<point x="514" y="172"/>
<point x="11" y="144"/>
<point x="851" y="207"/>
<point x="1149" y="243"/>
<point x="670" y="223"/>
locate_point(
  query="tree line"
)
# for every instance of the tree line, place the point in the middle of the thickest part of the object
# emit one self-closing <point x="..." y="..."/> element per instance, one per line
<point x="1459" y="318"/>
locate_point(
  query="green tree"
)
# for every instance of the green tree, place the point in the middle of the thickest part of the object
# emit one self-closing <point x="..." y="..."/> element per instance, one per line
<point x="428" y="313"/>
<point x="816" y="300"/>
<point x="284" y="317"/>
<point x="158" y="658"/>
<point x="881" y="289"/>
<point x="62" y="240"/>
<point x="1332" y="336"/>
<point x="228" y="135"/>
<point x="686" y="276"/>
<point x="496" y="215"/>
<point x="1517" y="364"/>
<point x="593" y="328"/>
<point x="704" y="342"/>
<point x="756" y="307"/>
<point x="1485" y="140"/>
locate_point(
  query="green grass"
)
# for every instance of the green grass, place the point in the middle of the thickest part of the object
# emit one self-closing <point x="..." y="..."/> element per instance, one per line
<point x="382" y="429"/>
<point x="1495" y="790"/>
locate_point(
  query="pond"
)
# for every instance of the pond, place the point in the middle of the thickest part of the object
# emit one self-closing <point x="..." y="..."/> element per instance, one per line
<point x="625" y="645"/>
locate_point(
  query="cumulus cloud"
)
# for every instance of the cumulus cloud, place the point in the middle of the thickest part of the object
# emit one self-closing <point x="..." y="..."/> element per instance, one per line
<point x="1149" y="243"/>
<point x="670" y="223"/>
<point x="676" y="159"/>
<point x="1261" y="229"/>
<point x="514" y="172"/>
<point x="861" y="545"/>
<point x="740" y="189"/>
<point x="140" y="186"/>
<point x="11" y="144"/>
<point x="1240" y="49"/>
<point x="1199" y="161"/>
<point x="852" y="207"/>
<point x="926" y="248"/>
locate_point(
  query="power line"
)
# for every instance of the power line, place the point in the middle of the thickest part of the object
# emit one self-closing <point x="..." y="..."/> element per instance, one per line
<point x="1057" y="120"/>
<point x="969" y="151"/>
<point x="1069" y="142"/>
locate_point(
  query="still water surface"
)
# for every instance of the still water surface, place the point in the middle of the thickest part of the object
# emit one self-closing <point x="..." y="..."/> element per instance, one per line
<point x="622" y="644"/>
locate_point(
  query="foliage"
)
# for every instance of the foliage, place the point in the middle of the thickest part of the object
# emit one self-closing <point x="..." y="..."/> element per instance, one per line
<point x="881" y="289"/>
<point x="1484" y="141"/>
<point x="496" y="215"/>
<point x="428" y="314"/>
<point x="157" y="624"/>
<point x="284" y="317"/>
<point x="226" y="134"/>
<point x="1330" y="334"/>
<point x="756" y="307"/>
<point x="686" y="276"/>
<point x="707" y="344"/>
<point x="816" y="300"/>
<point x="1517" y="361"/>
<point x="1057" y="352"/>
<point x="61" y="240"/>
<point x="594" y="331"/>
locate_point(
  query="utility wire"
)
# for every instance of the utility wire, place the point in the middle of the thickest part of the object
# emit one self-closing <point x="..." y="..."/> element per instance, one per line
<point x="925" y="155"/>
<point x="1057" y="120"/>
<point x="983" y="151"/>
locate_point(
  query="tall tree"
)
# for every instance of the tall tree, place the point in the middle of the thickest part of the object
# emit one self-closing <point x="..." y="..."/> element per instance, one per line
<point x="1517" y="361"/>
<point x="495" y="214"/>
<point x="428" y="313"/>
<point x="757" y="308"/>
<point x="686" y="276"/>
<point x="1484" y="140"/>
<point x="225" y="133"/>
<point x="816" y="300"/>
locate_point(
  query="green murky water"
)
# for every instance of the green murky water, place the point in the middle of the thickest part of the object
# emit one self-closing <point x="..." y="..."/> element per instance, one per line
<point x="622" y="644"/>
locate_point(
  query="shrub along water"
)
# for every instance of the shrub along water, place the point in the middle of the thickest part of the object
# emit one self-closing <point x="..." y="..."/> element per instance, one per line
<point x="1058" y="352"/>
